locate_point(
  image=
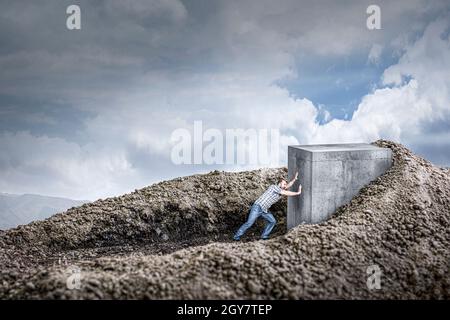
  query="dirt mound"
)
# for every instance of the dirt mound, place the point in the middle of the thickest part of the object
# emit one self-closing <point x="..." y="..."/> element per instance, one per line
<point x="132" y="246"/>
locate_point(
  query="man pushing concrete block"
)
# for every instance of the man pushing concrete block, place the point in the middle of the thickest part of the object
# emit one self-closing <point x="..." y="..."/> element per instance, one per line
<point x="331" y="175"/>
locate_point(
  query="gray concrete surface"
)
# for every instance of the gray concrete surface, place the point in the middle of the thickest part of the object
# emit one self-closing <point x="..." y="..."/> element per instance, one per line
<point x="331" y="175"/>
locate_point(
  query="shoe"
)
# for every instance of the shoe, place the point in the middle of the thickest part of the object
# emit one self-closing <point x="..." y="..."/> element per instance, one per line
<point x="236" y="238"/>
<point x="264" y="238"/>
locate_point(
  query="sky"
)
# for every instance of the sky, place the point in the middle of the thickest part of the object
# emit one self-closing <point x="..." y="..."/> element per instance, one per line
<point x="89" y="113"/>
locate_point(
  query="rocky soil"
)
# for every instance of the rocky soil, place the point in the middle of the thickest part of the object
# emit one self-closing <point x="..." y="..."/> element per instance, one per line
<point x="173" y="240"/>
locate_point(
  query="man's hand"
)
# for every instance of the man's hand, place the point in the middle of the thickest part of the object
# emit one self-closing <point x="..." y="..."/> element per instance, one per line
<point x="291" y="193"/>
<point x="292" y="181"/>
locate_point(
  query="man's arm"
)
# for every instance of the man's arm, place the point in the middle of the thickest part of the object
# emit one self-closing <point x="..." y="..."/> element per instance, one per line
<point x="292" y="181"/>
<point x="291" y="193"/>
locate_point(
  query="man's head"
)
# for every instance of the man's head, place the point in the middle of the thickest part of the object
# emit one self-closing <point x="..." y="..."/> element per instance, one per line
<point x="282" y="184"/>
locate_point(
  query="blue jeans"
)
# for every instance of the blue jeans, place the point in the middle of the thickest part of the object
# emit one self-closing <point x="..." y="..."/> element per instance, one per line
<point x="255" y="213"/>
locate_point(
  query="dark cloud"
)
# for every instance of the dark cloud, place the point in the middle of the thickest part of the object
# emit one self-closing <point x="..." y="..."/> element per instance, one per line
<point x="95" y="107"/>
<point x="434" y="141"/>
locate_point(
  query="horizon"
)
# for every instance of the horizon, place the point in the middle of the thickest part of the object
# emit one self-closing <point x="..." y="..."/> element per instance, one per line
<point x="41" y="195"/>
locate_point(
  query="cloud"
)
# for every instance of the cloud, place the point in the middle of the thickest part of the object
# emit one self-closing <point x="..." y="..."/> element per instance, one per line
<point x="148" y="10"/>
<point x="36" y="163"/>
<point x="398" y="110"/>
<point x="139" y="70"/>
<point x="415" y="94"/>
<point x="375" y="54"/>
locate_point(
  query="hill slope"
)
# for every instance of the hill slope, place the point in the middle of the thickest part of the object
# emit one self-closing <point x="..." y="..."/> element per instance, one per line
<point x="172" y="240"/>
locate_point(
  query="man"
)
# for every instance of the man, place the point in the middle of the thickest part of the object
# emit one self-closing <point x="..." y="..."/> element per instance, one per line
<point x="262" y="205"/>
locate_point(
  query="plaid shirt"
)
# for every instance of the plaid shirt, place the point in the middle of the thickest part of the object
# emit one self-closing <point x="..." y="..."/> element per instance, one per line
<point x="269" y="197"/>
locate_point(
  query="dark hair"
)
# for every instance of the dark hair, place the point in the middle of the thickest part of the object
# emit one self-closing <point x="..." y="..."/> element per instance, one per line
<point x="281" y="179"/>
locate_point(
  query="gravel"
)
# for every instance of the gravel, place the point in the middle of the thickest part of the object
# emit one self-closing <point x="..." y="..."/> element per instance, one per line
<point x="173" y="240"/>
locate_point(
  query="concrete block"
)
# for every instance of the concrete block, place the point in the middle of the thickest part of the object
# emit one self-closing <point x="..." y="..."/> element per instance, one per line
<point x="331" y="175"/>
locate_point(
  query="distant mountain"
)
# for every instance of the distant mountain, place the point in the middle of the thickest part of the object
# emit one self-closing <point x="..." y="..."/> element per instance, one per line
<point x="18" y="209"/>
